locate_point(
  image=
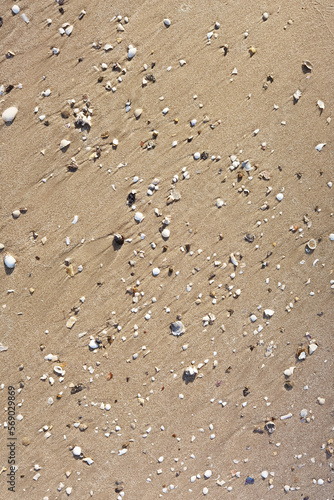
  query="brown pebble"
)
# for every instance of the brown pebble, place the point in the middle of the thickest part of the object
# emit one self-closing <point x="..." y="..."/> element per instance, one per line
<point x="25" y="441"/>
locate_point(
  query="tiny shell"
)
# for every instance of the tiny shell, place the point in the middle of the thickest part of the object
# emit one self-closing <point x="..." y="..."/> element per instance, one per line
<point x="312" y="244"/>
<point x="307" y="66"/>
<point x="320" y="146"/>
<point x="108" y="47"/>
<point x="119" y="238"/>
<point x="132" y="52"/>
<point x="16" y="214"/>
<point x="93" y="344"/>
<point x="167" y="23"/>
<point x="289" y="371"/>
<point x="268" y="313"/>
<point x="321" y="104"/>
<point x="9" y="114"/>
<point x="9" y="261"/>
<point x="156" y="271"/>
<point x="197" y="156"/>
<point x="139" y="217"/>
<point x="177" y="328"/>
<point x="207" y="474"/>
<point x="270" y="427"/>
<point x="69" y="30"/>
<point x="15" y="9"/>
<point x="71" y="322"/>
<point x="279" y="197"/>
<point x="64" y="143"/>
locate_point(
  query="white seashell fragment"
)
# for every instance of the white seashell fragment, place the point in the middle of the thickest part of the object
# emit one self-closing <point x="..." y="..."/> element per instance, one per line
<point x="108" y="47"/>
<point x="207" y="474"/>
<point x="297" y="95"/>
<point x="93" y="345"/>
<point x="139" y="217"/>
<point x="25" y="18"/>
<point x="320" y="146"/>
<point x="122" y="452"/>
<point x="190" y="372"/>
<point x="75" y="219"/>
<point x="9" y="114"/>
<point x="312" y="348"/>
<point x="220" y="203"/>
<point x="197" y="156"/>
<point x="69" y="30"/>
<point x="193" y="122"/>
<point x="177" y="328"/>
<point x="233" y="260"/>
<point x="131" y="52"/>
<point x="15" y="9"/>
<point x="167" y="23"/>
<point x="9" y="261"/>
<point x="289" y="371"/>
<point x="77" y="451"/>
<point x="264" y="474"/>
<point x="279" y="197"/>
<point x="182" y="62"/>
<point x="88" y="460"/>
<point x="165" y="233"/>
<point x="268" y="313"/>
<point x="64" y="143"/>
<point x="253" y="318"/>
<point x="165" y="111"/>
<point x="331" y="236"/>
<point x="156" y="271"/>
<point x="321" y="104"/>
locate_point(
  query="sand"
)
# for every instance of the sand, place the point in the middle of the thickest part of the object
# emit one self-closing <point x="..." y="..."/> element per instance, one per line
<point x="131" y="392"/>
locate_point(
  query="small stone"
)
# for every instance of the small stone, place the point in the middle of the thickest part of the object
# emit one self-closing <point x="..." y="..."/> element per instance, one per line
<point x="132" y="51"/>
<point x="9" y="114"/>
<point x="207" y="474"/>
<point x="264" y="474"/>
<point x="205" y="491"/>
<point x="77" y="451"/>
<point x="139" y="217"/>
<point x="253" y="318"/>
<point x="165" y="233"/>
<point x="167" y="23"/>
<point x="9" y="261"/>
<point x="15" y="9"/>
<point x="16" y="214"/>
<point x="268" y="313"/>
<point x="265" y="16"/>
<point x="279" y="197"/>
<point x="25" y="441"/>
<point x="156" y="271"/>
<point x="321" y="401"/>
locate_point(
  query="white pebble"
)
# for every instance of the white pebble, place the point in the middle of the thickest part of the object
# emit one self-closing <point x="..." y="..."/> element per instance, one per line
<point x="77" y="451"/>
<point x="279" y="197"/>
<point x="156" y="271"/>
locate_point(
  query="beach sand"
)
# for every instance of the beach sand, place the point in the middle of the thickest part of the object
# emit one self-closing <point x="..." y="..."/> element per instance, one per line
<point x="131" y="391"/>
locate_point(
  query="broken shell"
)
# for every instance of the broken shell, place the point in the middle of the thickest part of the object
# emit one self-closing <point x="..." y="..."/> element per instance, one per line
<point x="177" y="328"/>
<point x="119" y="238"/>
<point x="311" y="348"/>
<point x="233" y="260"/>
<point x="312" y="244"/>
<point x="108" y="47"/>
<point x="131" y="52"/>
<point x="59" y="370"/>
<point x="139" y="217"/>
<point x="297" y="95"/>
<point x="93" y="345"/>
<point x="270" y="427"/>
<point x="320" y="146"/>
<point x="321" y="104"/>
<point x="279" y="197"/>
<point x="289" y="371"/>
<point x="15" y="9"/>
<point x="167" y="23"/>
<point x="307" y="66"/>
<point x="138" y="113"/>
<point x="268" y="313"/>
<point x="9" y="114"/>
<point x="9" y="261"/>
<point x="156" y="271"/>
<point x="64" y="143"/>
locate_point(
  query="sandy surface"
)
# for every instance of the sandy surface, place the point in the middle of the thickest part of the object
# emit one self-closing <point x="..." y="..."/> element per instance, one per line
<point x="218" y="423"/>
